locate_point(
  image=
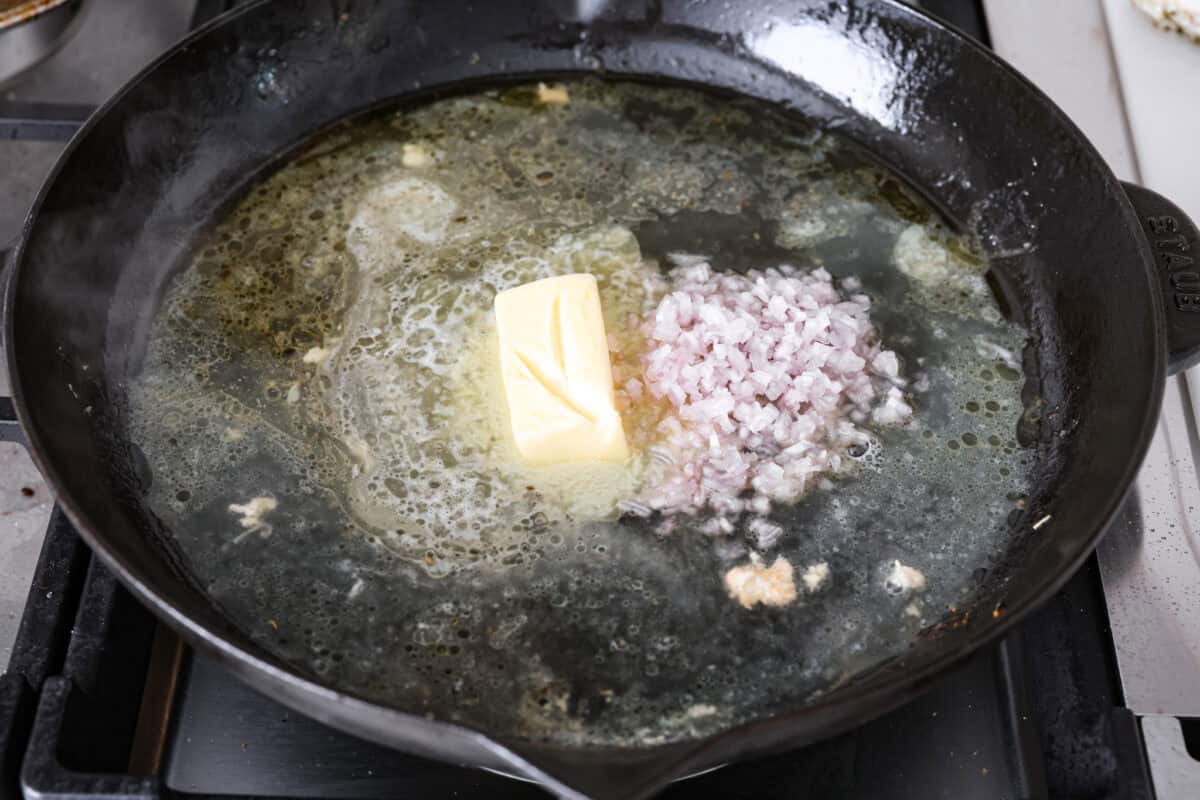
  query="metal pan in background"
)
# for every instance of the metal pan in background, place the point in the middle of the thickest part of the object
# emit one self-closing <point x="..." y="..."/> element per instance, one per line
<point x="31" y="30"/>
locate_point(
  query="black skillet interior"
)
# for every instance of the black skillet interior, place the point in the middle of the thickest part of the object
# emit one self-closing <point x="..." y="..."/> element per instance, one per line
<point x="161" y="160"/>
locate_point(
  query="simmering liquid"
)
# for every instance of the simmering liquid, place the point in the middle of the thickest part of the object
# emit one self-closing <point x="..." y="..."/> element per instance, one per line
<point x="321" y="412"/>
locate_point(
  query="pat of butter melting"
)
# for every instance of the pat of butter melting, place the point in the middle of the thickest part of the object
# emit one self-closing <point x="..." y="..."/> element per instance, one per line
<point x="556" y="372"/>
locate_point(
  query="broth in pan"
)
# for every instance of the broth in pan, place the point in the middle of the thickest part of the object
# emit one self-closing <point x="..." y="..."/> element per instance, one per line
<point x="818" y="394"/>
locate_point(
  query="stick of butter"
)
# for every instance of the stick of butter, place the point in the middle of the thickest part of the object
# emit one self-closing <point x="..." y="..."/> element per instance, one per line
<point x="557" y="376"/>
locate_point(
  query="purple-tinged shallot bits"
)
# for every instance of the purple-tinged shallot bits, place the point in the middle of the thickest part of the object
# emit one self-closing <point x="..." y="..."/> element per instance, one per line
<point x="771" y="377"/>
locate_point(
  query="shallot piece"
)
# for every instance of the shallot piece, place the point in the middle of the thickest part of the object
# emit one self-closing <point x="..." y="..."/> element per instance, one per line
<point x="766" y="374"/>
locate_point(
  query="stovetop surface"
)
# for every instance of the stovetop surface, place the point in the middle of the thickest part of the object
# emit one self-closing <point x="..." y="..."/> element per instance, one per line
<point x="100" y="700"/>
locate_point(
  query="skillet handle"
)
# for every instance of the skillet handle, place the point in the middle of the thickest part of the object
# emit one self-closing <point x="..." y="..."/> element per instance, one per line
<point x="1175" y="242"/>
<point x="10" y="426"/>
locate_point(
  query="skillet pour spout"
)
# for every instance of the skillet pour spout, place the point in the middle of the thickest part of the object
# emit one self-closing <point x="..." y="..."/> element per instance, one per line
<point x="1103" y="277"/>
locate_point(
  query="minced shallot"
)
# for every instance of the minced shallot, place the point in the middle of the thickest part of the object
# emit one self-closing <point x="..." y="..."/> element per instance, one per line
<point x="770" y="376"/>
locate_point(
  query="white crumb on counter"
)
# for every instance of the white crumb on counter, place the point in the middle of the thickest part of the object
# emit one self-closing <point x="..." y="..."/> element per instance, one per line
<point x="912" y="610"/>
<point x="415" y="156"/>
<point x="753" y="583"/>
<point x="293" y="395"/>
<point x="356" y="589"/>
<point x="252" y="512"/>
<point x="815" y="576"/>
<point x="1182" y="16"/>
<point x="902" y="579"/>
<point x="555" y="95"/>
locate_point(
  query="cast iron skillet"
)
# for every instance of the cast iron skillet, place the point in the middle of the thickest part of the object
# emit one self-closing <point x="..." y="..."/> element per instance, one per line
<point x="1102" y="275"/>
